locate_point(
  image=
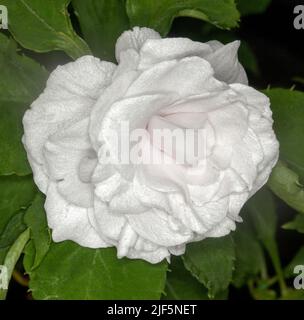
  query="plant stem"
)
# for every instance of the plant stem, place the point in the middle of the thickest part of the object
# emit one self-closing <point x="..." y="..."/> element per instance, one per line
<point x="272" y="281"/>
<point x="250" y="285"/>
<point x="12" y="257"/>
<point x="274" y="255"/>
<point x="264" y="272"/>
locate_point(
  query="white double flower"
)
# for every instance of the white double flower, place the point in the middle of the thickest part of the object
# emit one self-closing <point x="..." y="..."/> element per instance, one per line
<point x="148" y="210"/>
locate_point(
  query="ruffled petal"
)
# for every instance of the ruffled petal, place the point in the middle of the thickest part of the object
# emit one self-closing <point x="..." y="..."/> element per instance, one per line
<point x="146" y="194"/>
<point x="254" y="98"/>
<point x="70" y="222"/>
<point x="159" y="50"/>
<point x="155" y="256"/>
<point x="222" y="229"/>
<point x="70" y="93"/>
<point x="169" y="77"/>
<point x="70" y="161"/>
<point x="228" y="131"/>
<point x="211" y="213"/>
<point x="225" y="62"/>
<point x="134" y="113"/>
<point x="129" y="61"/>
<point x="183" y="212"/>
<point x="149" y="210"/>
<point x="134" y="39"/>
<point x="39" y="174"/>
<point x="108" y="225"/>
<point x="158" y="227"/>
<point x="113" y="93"/>
<point x="236" y="202"/>
<point x="87" y="76"/>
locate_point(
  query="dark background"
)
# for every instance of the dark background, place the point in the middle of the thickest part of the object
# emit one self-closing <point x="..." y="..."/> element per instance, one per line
<point x="277" y="45"/>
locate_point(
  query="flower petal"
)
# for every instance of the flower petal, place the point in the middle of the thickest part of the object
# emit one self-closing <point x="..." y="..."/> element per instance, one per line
<point x="155" y="256"/>
<point x="236" y="202"/>
<point x="222" y="229"/>
<point x="135" y="113"/>
<point x="211" y="213"/>
<point x="158" y="50"/>
<point x="65" y="154"/>
<point x="228" y="131"/>
<point x="70" y="222"/>
<point x="158" y="227"/>
<point x="108" y="225"/>
<point x="254" y="98"/>
<point x="70" y="93"/>
<point x="225" y="62"/>
<point x="113" y="93"/>
<point x="87" y="76"/>
<point x="186" y="77"/>
<point x="134" y="39"/>
<point x="129" y="61"/>
<point x="182" y="211"/>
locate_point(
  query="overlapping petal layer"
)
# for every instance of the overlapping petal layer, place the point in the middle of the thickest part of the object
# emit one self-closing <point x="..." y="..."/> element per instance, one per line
<point x="149" y="210"/>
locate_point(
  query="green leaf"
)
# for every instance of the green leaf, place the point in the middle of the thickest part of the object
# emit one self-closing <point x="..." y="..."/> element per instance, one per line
<point x="285" y="184"/>
<point x="296" y="224"/>
<point x="35" y="219"/>
<point x="102" y="22"/>
<point x="264" y="218"/>
<point x="250" y="259"/>
<point x="13" y="256"/>
<point x="159" y="15"/>
<point x="70" y="271"/>
<point x="12" y="230"/>
<point x="211" y="261"/>
<point x="16" y="193"/>
<point x="181" y="285"/>
<point x="288" y="115"/>
<point x="44" y="26"/>
<point x="21" y="81"/>
<point x="247" y="7"/>
<point x="263" y="215"/>
<point x="13" y="159"/>
<point x="293" y="295"/>
<point x="297" y="260"/>
<point x="3" y="253"/>
<point x="29" y="256"/>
